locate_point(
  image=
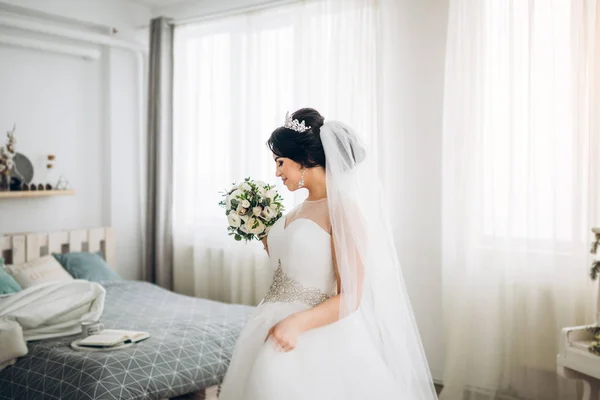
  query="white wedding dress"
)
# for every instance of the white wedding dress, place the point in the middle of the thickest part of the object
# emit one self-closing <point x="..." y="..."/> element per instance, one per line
<point x="336" y="361"/>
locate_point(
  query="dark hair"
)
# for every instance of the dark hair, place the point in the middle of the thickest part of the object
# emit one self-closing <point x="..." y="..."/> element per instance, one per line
<point x="303" y="147"/>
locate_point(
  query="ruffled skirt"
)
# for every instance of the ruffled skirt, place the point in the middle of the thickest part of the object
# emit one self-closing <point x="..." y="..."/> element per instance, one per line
<point x="336" y="361"/>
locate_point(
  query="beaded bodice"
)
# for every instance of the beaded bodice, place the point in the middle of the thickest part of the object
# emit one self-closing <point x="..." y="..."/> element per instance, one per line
<point x="288" y="290"/>
<point x="300" y="248"/>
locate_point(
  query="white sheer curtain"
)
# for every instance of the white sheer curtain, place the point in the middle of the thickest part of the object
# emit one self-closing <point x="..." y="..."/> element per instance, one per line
<point x="521" y="185"/>
<point x="235" y="78"/>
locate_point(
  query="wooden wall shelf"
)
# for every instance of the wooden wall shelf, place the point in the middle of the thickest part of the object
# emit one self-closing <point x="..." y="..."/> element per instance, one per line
<point x="35" y="193"/>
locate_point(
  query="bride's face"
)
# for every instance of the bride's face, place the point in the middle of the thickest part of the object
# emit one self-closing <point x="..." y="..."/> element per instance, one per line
<point x="289" y="171"/>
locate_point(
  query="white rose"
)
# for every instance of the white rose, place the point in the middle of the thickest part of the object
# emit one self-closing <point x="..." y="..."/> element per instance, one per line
<point x="257" y="210"/>
<point x="269" y="213"/>
<point x="271" y="194"/>
<point x="244" y="217"/>
<point x="234" y="220"/>
<point x="273" y="207"/>
<point x="260" y="227"/>
<point x="262" y="191"/>
<point x="245" y="187"/>
<point x="244" y="228"/>
<point x="245" y="203"/>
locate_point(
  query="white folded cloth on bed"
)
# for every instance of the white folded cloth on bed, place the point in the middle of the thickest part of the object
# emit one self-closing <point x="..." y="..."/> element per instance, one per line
<point x="54" y="309"/>
<point x="12" y="344"/>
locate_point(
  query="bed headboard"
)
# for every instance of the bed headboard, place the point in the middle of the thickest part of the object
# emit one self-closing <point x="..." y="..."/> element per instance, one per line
<point x="21" y="247"/>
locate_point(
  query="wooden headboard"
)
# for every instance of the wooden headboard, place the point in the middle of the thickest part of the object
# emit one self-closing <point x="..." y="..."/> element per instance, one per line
<point x="22" y="247"/>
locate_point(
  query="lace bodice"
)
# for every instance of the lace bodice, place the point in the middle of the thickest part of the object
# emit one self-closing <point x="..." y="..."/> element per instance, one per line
<point x="300" y="250"/>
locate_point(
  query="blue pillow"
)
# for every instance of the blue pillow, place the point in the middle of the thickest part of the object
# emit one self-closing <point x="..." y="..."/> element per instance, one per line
<point x="7" y="282"/>
<point x="88" y="266"/>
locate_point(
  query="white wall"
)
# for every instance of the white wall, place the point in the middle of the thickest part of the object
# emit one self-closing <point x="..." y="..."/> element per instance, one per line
<point x="84" y="112"/>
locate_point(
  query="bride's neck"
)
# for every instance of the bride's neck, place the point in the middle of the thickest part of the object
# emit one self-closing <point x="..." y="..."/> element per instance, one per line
<point x="317" y="194"/>
<point x="318" y="186"/>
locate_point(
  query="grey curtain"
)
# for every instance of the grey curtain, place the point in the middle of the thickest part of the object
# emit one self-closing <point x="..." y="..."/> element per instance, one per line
<point x="158" y="266"/>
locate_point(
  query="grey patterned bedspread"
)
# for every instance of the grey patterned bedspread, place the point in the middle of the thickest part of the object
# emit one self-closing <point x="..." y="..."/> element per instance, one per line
<point x="189" y="349"/>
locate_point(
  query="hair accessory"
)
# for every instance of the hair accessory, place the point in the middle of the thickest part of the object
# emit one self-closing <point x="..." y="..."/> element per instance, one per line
<point x="294" y="125"/>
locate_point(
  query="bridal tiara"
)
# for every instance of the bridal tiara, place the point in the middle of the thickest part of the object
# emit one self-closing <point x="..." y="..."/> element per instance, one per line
<point x="294" y="125"/>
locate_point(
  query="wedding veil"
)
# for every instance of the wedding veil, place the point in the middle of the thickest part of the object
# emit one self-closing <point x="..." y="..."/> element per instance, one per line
<point x="372" y="287"/>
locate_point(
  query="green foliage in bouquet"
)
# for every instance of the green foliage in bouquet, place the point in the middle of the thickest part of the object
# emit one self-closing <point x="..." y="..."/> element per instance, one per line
<point x="252" y="207"/>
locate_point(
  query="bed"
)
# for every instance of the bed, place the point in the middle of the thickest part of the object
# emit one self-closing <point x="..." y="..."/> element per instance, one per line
<point x="189" y="349"/>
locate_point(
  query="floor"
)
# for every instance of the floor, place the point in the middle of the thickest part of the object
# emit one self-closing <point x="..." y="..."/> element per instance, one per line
<point x="211" y="394"/>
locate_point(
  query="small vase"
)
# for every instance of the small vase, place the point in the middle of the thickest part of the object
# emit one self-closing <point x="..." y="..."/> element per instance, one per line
<point x="4" y="182"/>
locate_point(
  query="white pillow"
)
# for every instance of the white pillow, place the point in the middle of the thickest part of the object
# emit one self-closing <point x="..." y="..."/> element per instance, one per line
<point x="45" y="269"/>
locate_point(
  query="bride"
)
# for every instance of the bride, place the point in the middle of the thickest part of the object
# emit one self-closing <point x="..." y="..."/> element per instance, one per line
<point x="336" y="322"/>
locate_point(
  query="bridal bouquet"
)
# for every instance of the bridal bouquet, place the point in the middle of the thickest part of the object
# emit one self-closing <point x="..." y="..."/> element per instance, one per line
<point x="252" y="207"/>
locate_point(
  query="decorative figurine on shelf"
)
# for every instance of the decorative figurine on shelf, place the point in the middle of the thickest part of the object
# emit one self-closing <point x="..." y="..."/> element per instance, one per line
<point x="49" y="168"/>
<point x="62" y="184"/>
<point x="15" y="184"/>
<point x="7" y="154"/>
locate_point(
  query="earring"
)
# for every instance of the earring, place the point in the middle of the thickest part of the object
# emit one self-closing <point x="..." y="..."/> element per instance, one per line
<point x="301" y="182"/>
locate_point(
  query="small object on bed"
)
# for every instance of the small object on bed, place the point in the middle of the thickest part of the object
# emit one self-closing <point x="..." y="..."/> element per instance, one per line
<point x="76" y="346"/>
<point x="89" y="328"/>
<point x="42" y="270"/>
<point x="113" y="337"/>
<point x="88" y="266"/>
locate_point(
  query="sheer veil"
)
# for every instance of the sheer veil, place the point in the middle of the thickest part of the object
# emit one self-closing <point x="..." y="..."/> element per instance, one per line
<point x="372" y="287"/>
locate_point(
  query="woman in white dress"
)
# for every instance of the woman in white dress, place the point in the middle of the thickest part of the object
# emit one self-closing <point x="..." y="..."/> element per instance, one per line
<point x="336" y="322"/>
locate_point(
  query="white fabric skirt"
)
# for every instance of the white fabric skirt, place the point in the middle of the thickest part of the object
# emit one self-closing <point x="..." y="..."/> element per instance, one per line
<point x="336" y="361"/>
